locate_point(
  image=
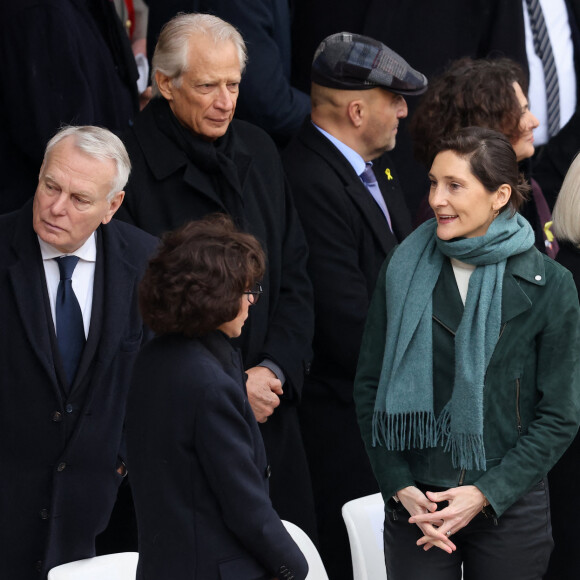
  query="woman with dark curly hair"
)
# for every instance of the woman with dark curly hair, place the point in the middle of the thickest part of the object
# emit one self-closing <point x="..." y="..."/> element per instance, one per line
<point x="198" y="467"/>
<point x="487" y="93"/>
<point x="468" y="382"/>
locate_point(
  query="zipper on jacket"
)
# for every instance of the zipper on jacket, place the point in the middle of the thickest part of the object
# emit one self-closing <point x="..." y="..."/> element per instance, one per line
<point x="518" y="416"/>
<point x="501" y="330"/>
<point x="461" y="477"/>
<point x="443" y="325"/>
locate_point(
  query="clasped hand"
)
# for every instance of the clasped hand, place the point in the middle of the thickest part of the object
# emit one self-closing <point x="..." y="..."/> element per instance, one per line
<point x="464" y="503"/>
<point x="264" y="392"/>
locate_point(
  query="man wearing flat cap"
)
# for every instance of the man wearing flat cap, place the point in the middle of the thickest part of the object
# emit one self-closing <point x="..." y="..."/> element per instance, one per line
<point x="353" y="211"/>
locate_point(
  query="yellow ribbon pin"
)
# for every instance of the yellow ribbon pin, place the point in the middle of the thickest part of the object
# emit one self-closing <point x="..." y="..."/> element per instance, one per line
<point x="388" y="174"/>
<point x="549" y="234"/>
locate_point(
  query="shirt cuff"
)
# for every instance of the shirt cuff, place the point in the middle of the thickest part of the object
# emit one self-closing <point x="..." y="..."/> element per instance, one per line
<point x="274" y="368"/>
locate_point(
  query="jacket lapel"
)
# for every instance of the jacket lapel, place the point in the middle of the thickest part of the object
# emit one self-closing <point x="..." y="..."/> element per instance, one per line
<point x="164" y="157"/>
<point x="354" y="187"/>
<point x="29" y="286"/>
<point x="96" y="317"/>
<point x="116" y="299"/>
<point x="447" y="303"/>
<point x="528" y="266"/>
<point x="394" y="197"/>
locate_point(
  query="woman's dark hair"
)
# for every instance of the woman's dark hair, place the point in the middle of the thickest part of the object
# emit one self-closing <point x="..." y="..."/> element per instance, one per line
<point x="492" y="161"/>
<point x="471" y="93"/>
<point x="195" y="281"/>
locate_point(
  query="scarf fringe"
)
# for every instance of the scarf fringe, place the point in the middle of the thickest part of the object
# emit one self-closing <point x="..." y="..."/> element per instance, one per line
<point x="467" y="449"/>
<point x="420" y="429"/>
<point x="404" y="430"/>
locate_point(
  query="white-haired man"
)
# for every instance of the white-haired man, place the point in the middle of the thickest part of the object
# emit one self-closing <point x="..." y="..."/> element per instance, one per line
<point x="191" y="159"/>
<point x="70" y="332"/>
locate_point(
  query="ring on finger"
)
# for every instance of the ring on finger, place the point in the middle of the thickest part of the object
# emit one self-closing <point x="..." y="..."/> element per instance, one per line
<point x="448" y="533"/>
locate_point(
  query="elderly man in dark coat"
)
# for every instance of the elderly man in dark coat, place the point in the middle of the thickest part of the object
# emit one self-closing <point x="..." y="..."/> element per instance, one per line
<point x="351" y="224"/>
<point x="190" y="159"/>
<point x="66" y="352"/>
<point x="267" y="98"/>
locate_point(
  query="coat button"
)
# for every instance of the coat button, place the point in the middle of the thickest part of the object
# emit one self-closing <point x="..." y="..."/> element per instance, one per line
<point x="69" y="408"/>
<point x="57" y="416"/>
<point x="43" y="514"/>
<point x="61" y="466"/>
<point x="538" y="277"/>
<point x="268" y="472"/>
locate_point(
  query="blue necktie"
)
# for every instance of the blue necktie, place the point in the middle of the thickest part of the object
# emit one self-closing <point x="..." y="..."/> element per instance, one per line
<point x="70" y="332"/>
<point x="543" y="49"/>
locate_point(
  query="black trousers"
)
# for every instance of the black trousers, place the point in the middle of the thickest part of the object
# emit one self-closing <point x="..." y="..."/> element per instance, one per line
<point x="516" y="546"/>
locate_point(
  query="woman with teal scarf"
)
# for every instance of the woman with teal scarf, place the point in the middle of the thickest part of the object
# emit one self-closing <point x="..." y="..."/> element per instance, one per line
<point x="468" y="384"/>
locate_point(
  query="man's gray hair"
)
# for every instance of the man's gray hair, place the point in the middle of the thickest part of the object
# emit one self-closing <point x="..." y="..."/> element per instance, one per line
<point x="171" y="51"/>
<point x="101" y="144"/>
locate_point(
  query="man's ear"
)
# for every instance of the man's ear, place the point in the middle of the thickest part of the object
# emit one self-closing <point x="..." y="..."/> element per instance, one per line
<point x="356" y="112"/>
<point x="165" y="85"/>
<point x="114" y="205"/>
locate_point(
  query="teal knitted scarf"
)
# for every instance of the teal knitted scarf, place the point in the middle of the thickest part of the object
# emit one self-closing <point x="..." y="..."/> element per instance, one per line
<point x="403" y="414"/>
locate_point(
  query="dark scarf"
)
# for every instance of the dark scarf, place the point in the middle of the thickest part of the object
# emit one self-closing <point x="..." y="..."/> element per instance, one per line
<point x="216" y="158"/>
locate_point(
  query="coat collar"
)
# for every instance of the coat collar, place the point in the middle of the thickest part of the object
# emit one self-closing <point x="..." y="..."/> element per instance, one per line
<point x="528" y="266"/>
<point x="164" y="157"/>
<point x="29" y="286"/>
<point x="316" y="141"/>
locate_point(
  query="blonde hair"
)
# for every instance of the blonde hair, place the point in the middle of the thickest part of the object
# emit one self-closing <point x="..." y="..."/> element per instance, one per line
<point x="566" y="214"/>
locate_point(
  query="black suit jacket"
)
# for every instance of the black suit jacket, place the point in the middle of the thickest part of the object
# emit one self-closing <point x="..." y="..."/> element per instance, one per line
<point x="349" y="239"/>
<point x="198" y="468"/>
<point x="58" y="452"/>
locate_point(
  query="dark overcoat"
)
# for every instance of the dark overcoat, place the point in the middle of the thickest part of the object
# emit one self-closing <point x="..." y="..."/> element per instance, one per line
<point x="349" y="239"/>
<point x="199" y="469"/>
<point x="59" y="452"/>
<point x="166" y="190"/>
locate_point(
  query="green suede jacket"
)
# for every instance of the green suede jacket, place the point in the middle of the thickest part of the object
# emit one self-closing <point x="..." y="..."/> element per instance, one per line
<point x="532" y="383"/>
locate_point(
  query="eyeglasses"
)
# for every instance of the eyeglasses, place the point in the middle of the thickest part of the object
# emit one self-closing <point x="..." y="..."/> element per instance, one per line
<point x="253" y="295"/>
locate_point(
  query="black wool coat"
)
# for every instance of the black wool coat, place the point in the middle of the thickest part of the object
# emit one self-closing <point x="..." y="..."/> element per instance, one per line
<point x="199" y="469"/>
<point x="165" y="191"/>
<point x="349" y="239"/>
<point x="59" y="452"/>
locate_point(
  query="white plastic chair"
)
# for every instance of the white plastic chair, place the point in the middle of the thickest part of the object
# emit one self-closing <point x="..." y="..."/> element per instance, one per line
<point x="316" y="570"/>
<point x="121" y="566"/>
<point x="364" y="518"/>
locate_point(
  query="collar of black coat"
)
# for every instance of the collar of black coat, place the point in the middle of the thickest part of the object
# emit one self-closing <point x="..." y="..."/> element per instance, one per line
<point x="161" y="145"/>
